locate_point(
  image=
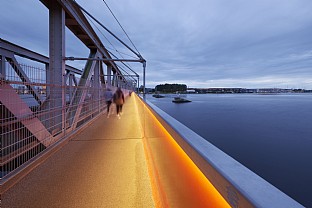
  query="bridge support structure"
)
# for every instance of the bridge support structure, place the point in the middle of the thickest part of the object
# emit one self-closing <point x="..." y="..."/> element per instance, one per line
<point x="43" y="106"/>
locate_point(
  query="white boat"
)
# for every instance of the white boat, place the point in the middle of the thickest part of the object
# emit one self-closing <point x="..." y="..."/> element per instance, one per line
<point x="180" y="100"/>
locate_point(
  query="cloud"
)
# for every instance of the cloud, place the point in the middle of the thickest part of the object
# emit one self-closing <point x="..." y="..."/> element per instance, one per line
<point x="200" y="43"/>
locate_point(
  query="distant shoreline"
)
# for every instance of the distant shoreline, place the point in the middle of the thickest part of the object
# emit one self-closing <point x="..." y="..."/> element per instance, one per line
<point x="233" y="91"/>
<point x="255" y="93"/>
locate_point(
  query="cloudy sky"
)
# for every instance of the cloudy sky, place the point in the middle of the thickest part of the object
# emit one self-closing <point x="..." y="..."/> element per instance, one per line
<point x="201" y="43"/>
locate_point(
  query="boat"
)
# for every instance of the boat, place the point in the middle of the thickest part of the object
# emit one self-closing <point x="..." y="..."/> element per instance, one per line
<point x="158" y="96"/>
<point x="180" y="100"/>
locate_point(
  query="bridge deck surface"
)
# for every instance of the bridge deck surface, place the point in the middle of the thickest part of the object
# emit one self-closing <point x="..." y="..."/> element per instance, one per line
<point x="103" y="166"/>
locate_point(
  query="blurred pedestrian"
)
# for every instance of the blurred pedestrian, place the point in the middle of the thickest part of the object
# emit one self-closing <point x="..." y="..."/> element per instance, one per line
<point x="108" y="99"/>
<point x="119" y="100"/>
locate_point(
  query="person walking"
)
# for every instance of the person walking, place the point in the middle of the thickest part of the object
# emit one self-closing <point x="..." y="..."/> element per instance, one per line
<point x="108" y="99"/>
<point x="119" y="100"/>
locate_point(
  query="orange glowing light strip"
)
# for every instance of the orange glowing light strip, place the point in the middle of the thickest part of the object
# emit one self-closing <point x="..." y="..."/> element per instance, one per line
<point x="193" y="174"/>
<point x="159" y="195"/>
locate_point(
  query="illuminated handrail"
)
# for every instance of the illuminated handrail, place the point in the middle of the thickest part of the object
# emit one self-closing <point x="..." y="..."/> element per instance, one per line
<point x="239" y="186"/>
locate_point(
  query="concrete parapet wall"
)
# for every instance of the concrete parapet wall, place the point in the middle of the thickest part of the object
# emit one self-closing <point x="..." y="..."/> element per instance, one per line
<point x="238" y="185"/>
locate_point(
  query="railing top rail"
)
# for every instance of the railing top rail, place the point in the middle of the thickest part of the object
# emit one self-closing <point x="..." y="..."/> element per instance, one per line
<point x="8" y="47"/>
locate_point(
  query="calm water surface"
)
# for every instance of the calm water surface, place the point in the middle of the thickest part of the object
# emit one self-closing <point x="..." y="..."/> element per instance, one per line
<point x="269" y="134"/>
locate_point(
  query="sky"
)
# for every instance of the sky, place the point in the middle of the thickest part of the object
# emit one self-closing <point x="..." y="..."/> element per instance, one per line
<point x="200" y="43"/>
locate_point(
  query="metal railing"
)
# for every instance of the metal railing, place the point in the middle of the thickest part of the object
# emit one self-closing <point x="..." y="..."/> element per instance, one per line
<point x="35" y="115"/>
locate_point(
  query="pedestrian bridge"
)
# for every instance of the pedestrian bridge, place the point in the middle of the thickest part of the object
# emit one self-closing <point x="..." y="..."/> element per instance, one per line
<point x="144" y="159"/>
<point x="59" y="149"/>
<point x="117" y="163"/>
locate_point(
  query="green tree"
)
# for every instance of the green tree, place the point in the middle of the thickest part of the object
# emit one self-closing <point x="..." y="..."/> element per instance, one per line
<point x="171" y="88"/>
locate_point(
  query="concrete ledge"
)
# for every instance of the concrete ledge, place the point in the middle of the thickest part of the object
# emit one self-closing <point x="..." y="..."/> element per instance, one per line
<point x="237" y="184"/>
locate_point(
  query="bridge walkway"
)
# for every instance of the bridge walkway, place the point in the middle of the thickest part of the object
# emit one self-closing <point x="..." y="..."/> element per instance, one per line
<point x="103" y="166"/>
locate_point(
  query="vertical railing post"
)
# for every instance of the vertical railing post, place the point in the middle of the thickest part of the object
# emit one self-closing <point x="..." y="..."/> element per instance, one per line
<point x="114" y="79"/>
<point x="70" y="82"/>
<point x="56" y="70"/>
<point x="2" y="66"/>
<point x="112" y="76"/>
<point x="109" y="74"/>
<point x="138" y="84"/>
<point x="64" y="103"/>
<point x="100" y="86"/>
<point x="144" y="67"/>
<point x="96" y="84"/>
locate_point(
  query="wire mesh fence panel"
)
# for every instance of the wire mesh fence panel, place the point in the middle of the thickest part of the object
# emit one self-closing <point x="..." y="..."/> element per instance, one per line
<point x="35" y="113"/>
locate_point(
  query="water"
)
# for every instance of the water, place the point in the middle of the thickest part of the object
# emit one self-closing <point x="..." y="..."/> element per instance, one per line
<point x="269" y="134"/>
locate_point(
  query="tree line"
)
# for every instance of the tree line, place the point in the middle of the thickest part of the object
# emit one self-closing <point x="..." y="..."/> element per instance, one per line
<point x="171" y="88"/>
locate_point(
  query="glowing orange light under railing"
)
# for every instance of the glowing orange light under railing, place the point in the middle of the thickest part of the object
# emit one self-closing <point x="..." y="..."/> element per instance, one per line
<point x="179" y="182"/>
